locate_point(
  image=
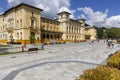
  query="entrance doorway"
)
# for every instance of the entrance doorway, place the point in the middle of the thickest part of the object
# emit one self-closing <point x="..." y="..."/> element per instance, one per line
<point x="32" y="38"/>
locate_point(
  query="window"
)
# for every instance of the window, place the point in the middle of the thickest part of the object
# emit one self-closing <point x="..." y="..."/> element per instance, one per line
<point x="51" y="36"/>
<point x="43" y="20"/>
<point x="43" y="36"/>
<point x="20" y="22"/>
<point x="32" y="23"/>
<point x="18" y="35"/>
<point x="67" y="29"/>
<point x="21" y="33"/>
<point x="0" y="36"/>
<point x="58" y="36"/>
<point x="51" y="28"/>
<point x="6" y="36"/>
<point x="3" y="36"/>
<point x="17" y="23"/>
<point x="47" y="36"/>
<point x="67" y="37"/>
<point x="3" y="28"/>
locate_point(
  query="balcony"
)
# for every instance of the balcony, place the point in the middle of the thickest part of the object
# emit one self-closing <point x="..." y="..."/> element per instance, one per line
<point x="10" y="19"/>
<point x="34" y="29"/>
<point x="10" y="29"/>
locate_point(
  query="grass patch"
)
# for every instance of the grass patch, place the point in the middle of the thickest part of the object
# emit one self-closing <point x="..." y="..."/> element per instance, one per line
<point x="8" y="53"/>
<point x="4" y="45"/>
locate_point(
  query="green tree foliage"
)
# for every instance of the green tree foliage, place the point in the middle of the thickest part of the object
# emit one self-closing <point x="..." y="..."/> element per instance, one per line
<point x="101" y="33"/>
<point x="32" y="38"/>
<point x="113" y="33"/>
<point x="110" y="33"/>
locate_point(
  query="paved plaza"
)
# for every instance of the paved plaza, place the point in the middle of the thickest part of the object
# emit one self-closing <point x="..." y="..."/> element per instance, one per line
<point x="55" y="62"/>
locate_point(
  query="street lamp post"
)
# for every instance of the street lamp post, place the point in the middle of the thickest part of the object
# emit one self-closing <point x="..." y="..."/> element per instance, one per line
<point x="105" y="35"/>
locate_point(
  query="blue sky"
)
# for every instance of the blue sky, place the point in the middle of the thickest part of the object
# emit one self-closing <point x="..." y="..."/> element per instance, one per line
<point x="96" y="12"/>
<point x="99" y="5"/>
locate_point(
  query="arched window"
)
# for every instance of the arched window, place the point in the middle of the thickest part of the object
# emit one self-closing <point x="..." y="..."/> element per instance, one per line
<point x="47" y="36"/>
<point x="58" y="36"/>
<point x="43" y="36"/>
<point x="51" y="36"/>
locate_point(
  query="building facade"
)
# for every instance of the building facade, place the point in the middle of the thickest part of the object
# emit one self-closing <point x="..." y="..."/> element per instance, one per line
<point x="73" y="30"/>
<point x="17" y="23"/>
<point x="90" y="33"/>
<point x="50" y="31"/>
<point x="24" y="24"/>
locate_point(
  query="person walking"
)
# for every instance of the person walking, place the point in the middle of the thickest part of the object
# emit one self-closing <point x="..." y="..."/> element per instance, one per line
<point x="112" y="45"/>
<point x="108" y="44"/>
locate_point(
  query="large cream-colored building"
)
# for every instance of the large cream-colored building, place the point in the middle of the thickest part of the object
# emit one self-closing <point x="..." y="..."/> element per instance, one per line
<point x="90" y="33"/>
<point x="19" y="22"/>
<point x="50" y="30"/>
<point x="23" y="23"/>
<point x="73" y="30"/>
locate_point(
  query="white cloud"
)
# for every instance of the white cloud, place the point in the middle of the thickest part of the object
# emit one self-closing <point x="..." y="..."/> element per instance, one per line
<point x="113" y="21"/>
<point x="50" y="7"/>
<point x="93" y="17"/>
<point x="62" y="9"/>
<point x="100" y="18"/>
<point x="81" y="16"/>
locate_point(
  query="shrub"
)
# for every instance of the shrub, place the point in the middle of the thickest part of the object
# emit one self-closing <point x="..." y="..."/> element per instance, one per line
<point x="101" y="73"/>
<point x="114" y="60"/>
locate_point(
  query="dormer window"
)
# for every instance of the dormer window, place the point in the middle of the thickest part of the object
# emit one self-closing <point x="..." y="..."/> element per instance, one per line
<point x="32" y="13"/>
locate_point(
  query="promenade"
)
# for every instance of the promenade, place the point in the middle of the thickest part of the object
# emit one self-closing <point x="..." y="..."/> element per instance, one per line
<point x="55" y="62"/>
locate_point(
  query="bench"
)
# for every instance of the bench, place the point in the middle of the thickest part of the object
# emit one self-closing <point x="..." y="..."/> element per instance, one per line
<point x="32" y="49"/>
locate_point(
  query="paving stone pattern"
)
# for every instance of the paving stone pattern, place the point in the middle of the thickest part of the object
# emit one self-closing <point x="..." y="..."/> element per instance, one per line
<point x="55" y="62"/>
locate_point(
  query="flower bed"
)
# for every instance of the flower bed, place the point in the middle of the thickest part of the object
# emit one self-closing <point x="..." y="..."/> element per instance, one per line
<point x="114" y="60"/>
<point x="109" y="72"/>
<point x="101" y="73"/>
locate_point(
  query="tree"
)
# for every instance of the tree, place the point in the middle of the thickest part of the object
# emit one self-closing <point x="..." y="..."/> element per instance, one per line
<point x="113" y="33"/>
<point x="32" y="38"/>
<point x="101" y="32"/>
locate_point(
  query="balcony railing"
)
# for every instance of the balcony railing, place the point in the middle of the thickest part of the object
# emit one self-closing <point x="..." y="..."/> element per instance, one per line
<point x="10" y="29"/>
